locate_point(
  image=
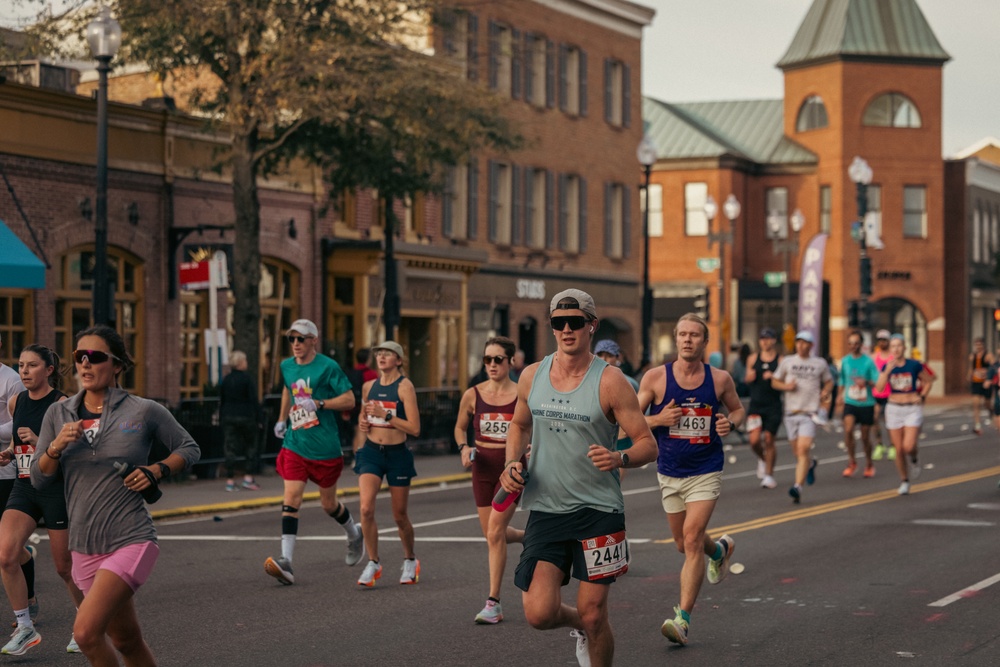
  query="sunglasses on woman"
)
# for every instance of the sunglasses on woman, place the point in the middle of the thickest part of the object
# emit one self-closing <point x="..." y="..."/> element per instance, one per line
<point x="92" y="357"/>
<point x="487" y="360"/>
<point x="575" y="322"/>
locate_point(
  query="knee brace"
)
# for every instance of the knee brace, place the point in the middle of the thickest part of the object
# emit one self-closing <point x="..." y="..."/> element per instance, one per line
<point x="289" y="509"/>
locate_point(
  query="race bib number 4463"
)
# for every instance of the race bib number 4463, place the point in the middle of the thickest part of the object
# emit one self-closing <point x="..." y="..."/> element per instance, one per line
<point x="606" y="556"/>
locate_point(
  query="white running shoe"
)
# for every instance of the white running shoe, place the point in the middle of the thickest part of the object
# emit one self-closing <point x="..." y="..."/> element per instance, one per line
<point x="22" y="639"/>
<point x="280" y="569"/>
<point x="582" y="652"/>
<point x="491" y="614"/>
<point x="355" y="549"/>
<point x="371" y="572"/>
<point x="904" y="489"/>
<point x="761" y="469"/>
<point x="914" y="471"/>
<point x="768" y="482"/>
<point x="72" y="646"/>
<point x="718" y="569"/>
<point x="411" y="571"/>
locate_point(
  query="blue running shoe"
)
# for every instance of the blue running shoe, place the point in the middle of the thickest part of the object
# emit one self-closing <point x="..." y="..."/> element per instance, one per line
<point x="796" y="494"/>
<point x="811" y="475"/>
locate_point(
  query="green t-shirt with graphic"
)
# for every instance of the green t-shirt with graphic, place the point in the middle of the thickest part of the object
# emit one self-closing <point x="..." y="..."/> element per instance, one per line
<point x="313" y="434"/>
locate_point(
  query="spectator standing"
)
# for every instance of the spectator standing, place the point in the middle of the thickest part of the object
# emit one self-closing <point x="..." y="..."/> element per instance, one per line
<point x="239" y="411"/>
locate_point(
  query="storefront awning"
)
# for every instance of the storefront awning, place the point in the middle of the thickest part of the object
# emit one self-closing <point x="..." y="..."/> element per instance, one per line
<point x="18" y="265"/>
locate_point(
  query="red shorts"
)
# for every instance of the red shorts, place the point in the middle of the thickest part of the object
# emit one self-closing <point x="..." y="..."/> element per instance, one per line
<point x="296" y="468"/>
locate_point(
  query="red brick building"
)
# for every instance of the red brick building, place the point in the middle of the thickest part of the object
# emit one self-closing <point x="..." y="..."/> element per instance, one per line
<point x="862" y="78"/>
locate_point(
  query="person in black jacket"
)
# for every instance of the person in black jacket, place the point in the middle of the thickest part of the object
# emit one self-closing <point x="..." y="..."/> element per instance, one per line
<point x="240" y="411"/>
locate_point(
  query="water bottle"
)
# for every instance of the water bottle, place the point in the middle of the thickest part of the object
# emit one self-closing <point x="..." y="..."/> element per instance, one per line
<point x="502" y="500"/>
<point x="150" y="493"/>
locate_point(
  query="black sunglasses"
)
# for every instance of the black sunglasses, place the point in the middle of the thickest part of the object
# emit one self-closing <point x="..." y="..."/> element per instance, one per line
<point x="298" y="339"/>
<point x="575" y="322"/>
<point x="92" y="356"/>
<point x="487" y="360"/>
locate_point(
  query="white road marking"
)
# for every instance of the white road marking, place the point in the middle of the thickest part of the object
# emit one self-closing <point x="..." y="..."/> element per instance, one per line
<point x="959" y="523"/>
<point x="984" y="506"/>
<point x="965" y="592"/>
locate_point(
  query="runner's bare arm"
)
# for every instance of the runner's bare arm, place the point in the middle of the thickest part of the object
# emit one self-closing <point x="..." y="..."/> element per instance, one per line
<point x="340" y="403"/>
<point x="465" y="410"/>
<point x="735" y="412"/>
<point x="519" y="433"/>
<point x="751" y="375"/>
<point x="651" y="389"/>
<point x="408" y="395"/>
<point x="286" y="404"/>
<point x="363" y="423"/>
<point x="620" y="402"/>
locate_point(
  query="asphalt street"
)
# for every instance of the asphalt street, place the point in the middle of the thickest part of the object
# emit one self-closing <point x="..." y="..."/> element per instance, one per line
<point x="855" y="575"/>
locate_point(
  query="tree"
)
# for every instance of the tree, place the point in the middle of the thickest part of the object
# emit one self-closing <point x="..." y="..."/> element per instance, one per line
<point x="329" y="82"/>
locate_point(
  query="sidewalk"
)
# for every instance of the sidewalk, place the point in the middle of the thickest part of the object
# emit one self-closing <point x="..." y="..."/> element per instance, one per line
<point x="209" y="496"/>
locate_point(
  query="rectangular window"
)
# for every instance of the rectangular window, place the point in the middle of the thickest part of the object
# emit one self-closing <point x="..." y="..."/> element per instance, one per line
<point x="501" y="57"/>
<point x="537" y="205"/>
<point x="777" y="212"/>
<point x="534" y="70"/>
<point x="695" y="220"/>
<point x="979" y="253"/>
<point x="617" y="237"/>
<point x="347" y="208"/>
<point x="500" y="209"/>
<point x="655" y="203"/>
<point x="572" y="80"/>
<point x="15" y="315"/>
<point x="914" y="212"/>
<point x="825" y="209"/>
<point x="617" y="93"/>
<point x="569" y="213"/>
<point x="874" y="214"/>
<point x="472" y="48"/>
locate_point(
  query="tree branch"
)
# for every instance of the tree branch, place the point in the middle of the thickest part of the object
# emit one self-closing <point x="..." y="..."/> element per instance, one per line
<point x="272" y="146"/>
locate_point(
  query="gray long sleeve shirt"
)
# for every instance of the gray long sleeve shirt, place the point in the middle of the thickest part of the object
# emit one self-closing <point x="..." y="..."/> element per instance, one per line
<point x="104" y="515"/>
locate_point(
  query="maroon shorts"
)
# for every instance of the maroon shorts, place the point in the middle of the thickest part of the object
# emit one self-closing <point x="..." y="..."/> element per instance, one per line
<point x="296" y="468"/>
<point x="486" y="470"/>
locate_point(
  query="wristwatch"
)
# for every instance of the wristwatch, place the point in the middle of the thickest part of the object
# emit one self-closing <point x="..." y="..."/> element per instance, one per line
<point x="388" y="417"/>
<point x="164" y="469"/>
<point x="624" y="460"/>
<point x="321" y="403"/>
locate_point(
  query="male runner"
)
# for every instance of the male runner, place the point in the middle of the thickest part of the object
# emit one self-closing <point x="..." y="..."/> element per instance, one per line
<point x="569" y="407"/>
<point x="979" y="361"/>
<point x="764" y="418"/>
<point x="881" y="357"/>
<point x="315" y="388"/>
<point x="807" y="383"/>
<point x="858" y="375"/>
<point x="684" y="398"/>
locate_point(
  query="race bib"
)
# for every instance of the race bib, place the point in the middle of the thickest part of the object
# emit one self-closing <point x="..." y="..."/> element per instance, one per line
<point x="493" y="426"/>
<point x="378" y="422"/>
<point x="754" y="422"/>
<point x="856" y="393"/>
<point x="302" y="418"/>
<point x="695" y="425"/>
<point x="90" y="429"/>
<point x="606" y="556"/>
<point x="979" y="375"/>
<point x="22" y="454"/>
<point x="901" y="382"/>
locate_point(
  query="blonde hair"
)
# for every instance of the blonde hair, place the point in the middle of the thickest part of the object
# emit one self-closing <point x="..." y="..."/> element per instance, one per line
<point x="237" y="357"/>
<point x="692" y="317"/>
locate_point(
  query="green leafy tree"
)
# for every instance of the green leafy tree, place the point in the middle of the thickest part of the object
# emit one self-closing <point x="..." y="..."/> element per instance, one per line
<point x="335" y="83"/>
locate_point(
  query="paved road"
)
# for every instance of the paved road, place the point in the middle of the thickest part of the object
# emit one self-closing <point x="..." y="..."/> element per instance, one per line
<point x="855" y="575"/>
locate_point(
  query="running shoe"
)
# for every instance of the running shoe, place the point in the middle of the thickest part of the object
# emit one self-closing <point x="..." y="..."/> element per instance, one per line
<point x="870" y="471"/>
<point x="820" y="419"/>
<point x="371" y="572"/>
<point x="914" y="470"/>
<point x="811" y="475"/>
<point x="977" y="429"/>
<point x="411" y="571"/>
<point x="850" y="469"/>
<point x="676" y="629"/>
<point x="355" y="548"/>
<point x="230" y="487"/>
<point x="582" y="652"/>
<point x="890" y="453"/>
<point x="250" y="486"/>
<point x="72" y="646"/>
<point x="491" y="614"/>
<point x="879" y="452"/>
<point x="718" y="569"/>
<point x="280" y="569"/>
<point x="761" y="469"/>
<point x="22" y="639"/>
<point x="768" y="482"/>
<point x="904" y="489"/>
<point x="796" y="493"/>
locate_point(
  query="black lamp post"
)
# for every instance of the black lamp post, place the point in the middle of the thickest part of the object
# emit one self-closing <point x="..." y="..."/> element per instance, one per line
<point x="861" y="173"/>
<point x="104" y="36"/>
<point x="788" y="247"/>
<point x="647" y="158"/>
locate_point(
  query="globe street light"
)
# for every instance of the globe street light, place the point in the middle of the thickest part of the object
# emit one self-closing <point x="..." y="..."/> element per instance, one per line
<point x="104" y="36"/>
<point x="646" y="153"/>
<point x="788" y="247"/>
<point x="731" y="209"/>
<point x="861" y="173"/>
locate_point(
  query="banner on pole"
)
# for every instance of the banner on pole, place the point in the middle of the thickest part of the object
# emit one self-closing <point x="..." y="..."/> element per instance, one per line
<point x="811" y="289"/>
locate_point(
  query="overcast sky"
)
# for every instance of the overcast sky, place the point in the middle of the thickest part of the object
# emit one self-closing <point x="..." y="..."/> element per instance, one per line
<point x="699" y="50"/>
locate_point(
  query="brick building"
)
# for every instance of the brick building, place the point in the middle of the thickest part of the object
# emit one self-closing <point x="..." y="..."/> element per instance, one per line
<point x="862" y="78"/>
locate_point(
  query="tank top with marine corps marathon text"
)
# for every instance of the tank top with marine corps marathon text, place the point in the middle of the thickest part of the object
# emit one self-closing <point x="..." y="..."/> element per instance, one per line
<point x="564" y="425"/>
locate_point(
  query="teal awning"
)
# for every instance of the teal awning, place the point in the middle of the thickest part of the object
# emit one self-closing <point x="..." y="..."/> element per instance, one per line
<point x="18" y="265"/>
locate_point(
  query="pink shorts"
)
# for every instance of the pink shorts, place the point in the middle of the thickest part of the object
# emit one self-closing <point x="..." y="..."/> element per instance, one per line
<point x="293" y="467"/>
<point x="133" y="564"/>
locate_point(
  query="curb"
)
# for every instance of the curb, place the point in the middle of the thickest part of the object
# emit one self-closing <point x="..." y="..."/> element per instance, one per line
<point x="233" y="506"/>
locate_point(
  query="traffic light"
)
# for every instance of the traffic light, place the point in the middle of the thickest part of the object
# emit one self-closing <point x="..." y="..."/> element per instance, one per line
<point x="866" y="276"/>
<point x="853" y="318"/>
<point x="701" y="304"/>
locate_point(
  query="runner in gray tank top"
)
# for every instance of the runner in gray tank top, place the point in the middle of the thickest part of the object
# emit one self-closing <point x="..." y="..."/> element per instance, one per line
<point x="570" y="407"/>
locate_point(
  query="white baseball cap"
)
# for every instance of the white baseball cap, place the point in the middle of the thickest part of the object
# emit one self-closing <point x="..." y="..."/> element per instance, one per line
<point x="305" y="327"/>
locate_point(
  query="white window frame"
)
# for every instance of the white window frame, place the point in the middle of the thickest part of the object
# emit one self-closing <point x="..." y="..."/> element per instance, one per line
<point x="914" y="217"/>
<point x="695" y="220"/>
<point x="655" y="208"/>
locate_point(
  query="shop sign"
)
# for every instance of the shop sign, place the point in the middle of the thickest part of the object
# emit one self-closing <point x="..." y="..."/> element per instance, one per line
<point x="530" y="289"/>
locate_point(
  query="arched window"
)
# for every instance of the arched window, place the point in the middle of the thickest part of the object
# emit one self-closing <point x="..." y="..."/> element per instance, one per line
<point x="74" y="307"/>
<point x="892" y="110"/>
<point x="812" y="114"/>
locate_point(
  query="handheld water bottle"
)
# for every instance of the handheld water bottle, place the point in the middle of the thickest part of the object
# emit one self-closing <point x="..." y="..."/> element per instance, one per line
<point x="502" y="500"/>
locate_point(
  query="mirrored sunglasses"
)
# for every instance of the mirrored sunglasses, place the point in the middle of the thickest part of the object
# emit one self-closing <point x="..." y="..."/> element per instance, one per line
<point x="92" y="356"/>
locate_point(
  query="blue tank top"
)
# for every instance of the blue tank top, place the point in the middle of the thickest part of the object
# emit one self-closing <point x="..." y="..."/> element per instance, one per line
<point x="387" y="396"/>
<point x="903" y="379"/>
<point x="692" y="447"/>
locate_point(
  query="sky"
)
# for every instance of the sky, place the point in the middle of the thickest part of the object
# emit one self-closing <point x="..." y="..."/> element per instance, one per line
<point x="702" y="50"/>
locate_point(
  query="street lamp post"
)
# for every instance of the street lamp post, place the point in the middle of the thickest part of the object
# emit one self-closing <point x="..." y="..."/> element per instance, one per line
<point x="104" y="36"/>
<point x="788" y="247"/>
<point x="861" y="173"/>
<point x="646" y="153"/>
<point x="731" y="209"/>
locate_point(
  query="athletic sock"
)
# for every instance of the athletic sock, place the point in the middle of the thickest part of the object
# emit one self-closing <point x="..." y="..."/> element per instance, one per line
<point x="344" y="518"/>
<point x="289" y="529"/>
<point x="719" y="552"/>
<point x="23" y="618"/>
<point x="686" y="616"/>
